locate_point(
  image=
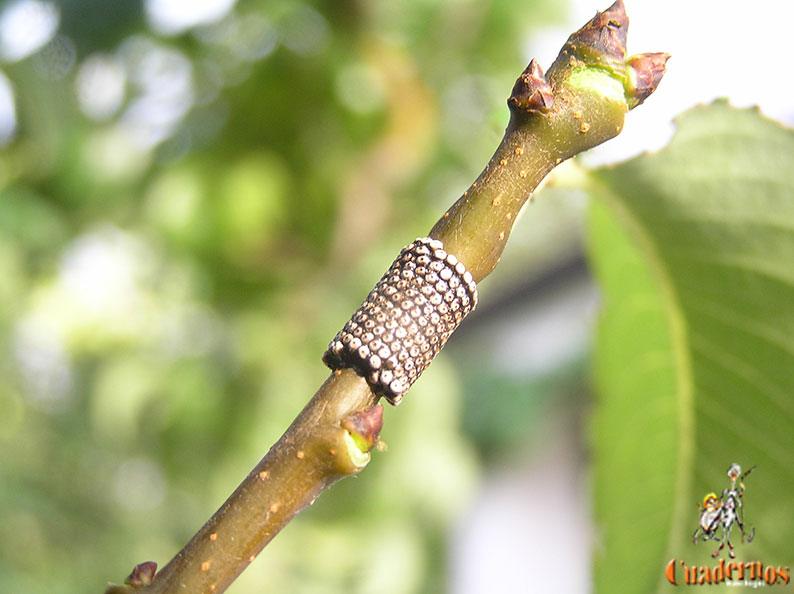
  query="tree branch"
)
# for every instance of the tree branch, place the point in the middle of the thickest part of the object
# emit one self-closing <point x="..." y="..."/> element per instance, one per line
<point x="578" y="104"/>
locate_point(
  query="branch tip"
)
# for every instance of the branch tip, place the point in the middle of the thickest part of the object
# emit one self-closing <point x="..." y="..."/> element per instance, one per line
<point x="602" y="40"/>
<point x="605" y="32"/>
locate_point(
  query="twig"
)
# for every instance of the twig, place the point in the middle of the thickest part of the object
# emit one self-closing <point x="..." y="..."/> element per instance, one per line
<point x="580" y="103"/>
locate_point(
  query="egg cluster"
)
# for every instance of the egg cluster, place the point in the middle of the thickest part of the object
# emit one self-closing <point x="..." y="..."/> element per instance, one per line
<point x="406" y="319"/>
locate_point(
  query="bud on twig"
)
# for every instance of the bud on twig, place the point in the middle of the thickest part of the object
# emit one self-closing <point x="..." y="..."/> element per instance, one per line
<point x="142" y="574"/>
<point x="364" y="427"/>
<point x="579" y="102"/>
<point x="602" y="40"/>
<point x="645" y="72"/>
<point x="532" y="91"/>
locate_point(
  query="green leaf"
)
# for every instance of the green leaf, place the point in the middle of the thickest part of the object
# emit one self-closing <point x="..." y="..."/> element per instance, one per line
<point x="694" y="366"/>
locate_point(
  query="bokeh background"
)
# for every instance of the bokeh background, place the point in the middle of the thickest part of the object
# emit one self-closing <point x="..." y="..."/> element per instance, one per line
<point x="194" y="196"/>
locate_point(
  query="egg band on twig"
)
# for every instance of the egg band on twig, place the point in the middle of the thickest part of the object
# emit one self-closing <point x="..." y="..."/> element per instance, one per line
<point x="406" y="319"/>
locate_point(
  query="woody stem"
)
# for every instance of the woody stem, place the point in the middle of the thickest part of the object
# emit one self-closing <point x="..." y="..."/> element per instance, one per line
<point x="578" y="104"/>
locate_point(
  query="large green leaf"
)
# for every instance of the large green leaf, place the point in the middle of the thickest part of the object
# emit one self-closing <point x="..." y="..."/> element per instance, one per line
<point x="694" y="250"/>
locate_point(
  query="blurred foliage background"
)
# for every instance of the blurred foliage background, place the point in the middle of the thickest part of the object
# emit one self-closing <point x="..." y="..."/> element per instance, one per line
<point x="193" y="198"/>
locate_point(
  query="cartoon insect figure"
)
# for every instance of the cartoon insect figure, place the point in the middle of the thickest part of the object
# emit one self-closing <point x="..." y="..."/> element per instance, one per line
<point x="710" y="516"/>
<point x="732" y="509"/>
<point x="724" y="513"/>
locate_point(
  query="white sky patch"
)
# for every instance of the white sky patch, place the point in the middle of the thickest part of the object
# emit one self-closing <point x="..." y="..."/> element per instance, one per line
<point x="171" y="17"/>
<point x="100" y="86"/>
<point x="25" y="26"/>
<point x="8" y="111"/>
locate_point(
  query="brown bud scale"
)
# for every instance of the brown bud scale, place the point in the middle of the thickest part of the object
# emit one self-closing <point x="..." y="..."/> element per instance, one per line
<point x="645" y="74"/>
<point x="142" y="575"/>
<point x="532" y="92"/>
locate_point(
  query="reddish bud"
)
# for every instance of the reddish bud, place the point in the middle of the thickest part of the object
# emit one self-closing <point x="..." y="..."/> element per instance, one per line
<point x="645" y="73"/>
<point x="142" y="575"/>
<point x="532" y="91"/>
<point x="605" y="33"/>
<point x="364" y="427"/>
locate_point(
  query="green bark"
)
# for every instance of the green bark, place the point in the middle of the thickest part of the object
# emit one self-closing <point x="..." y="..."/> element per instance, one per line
<point x="578" y="104"/>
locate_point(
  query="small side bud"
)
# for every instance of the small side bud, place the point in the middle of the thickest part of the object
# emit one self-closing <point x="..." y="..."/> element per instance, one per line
<point x="645" y="72"/>
<point x="364" y="427"/>
<point x="532" y="92"/>
<point x="142" y="575"/>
